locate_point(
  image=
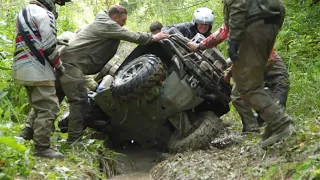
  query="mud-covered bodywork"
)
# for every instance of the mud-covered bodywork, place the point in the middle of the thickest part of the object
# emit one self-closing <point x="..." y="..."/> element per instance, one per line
<point x="160" y="91"/>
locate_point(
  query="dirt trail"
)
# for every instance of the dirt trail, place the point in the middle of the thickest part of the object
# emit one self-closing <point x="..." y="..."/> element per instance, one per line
<point x="241" y="159"/>
<point x="133" y="176"/>
<point x="136" y="163"/>
<point x="144" y="164"/>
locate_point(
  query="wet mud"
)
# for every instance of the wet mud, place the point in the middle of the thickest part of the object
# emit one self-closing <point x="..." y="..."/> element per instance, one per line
<point x="135" y="163"/>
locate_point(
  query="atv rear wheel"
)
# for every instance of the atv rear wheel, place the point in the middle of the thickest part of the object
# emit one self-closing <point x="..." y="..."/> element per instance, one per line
<point x="207" y="126"/>
<point x="138" y="77"/>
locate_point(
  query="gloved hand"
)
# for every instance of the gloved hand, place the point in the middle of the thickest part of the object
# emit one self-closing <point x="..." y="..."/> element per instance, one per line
<point x="233" y="49"/>
<point x="159" y="36"/>
<point x="62" y="42"/>
<point x="228" y="75"/>
<point x="193" y="46"/>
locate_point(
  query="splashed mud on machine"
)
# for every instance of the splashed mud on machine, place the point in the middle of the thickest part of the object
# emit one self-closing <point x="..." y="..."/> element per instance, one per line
<point x="162" y="95"/>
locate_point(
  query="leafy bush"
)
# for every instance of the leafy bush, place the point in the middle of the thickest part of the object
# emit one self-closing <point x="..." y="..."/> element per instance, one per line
<point x="15" y="157"/>
<point x="297" y="43"/>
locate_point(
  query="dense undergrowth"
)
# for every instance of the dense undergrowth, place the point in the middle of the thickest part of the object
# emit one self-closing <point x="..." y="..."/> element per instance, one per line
<point x="298" y="44"/>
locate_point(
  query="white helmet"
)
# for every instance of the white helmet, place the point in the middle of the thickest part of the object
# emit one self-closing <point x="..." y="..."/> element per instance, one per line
<point x="203" y="15"/>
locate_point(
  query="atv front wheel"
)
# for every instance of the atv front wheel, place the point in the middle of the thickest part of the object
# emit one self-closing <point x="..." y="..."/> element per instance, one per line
<point x="138" y="77"/>
<point x="207" y="126"/>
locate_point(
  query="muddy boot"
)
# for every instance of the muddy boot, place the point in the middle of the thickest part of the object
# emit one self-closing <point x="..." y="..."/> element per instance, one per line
<point x="27" y="133"/>
<point x="266" y="133"/>
<point x="280" y="124"/>
<point x="249" y="127"/>
<point x="283" y="131"/>
<point x="76" y="122"/>
<point x="47" y="152"/>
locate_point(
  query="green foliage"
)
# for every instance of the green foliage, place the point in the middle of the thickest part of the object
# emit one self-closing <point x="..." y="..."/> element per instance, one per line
<point x="90" y="160"/>
<point x="308" y="169"/>
<point x="15" y="158"/>
<point x="142" y="13"/>
<point x="65" y="21"/>
<point x="298" y="158"/>
<point x="81" y="162"/>
<point x="297" y="43"/>
<point x="12" y="107"/>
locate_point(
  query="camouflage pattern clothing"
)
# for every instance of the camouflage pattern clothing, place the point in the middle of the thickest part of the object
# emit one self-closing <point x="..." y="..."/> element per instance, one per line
<point x="88" y="52"/>
<point x="276" y="79"/>
<point x="239" y="14"/>
<point x="255" y="25"/>
<point x="45" y="109"/>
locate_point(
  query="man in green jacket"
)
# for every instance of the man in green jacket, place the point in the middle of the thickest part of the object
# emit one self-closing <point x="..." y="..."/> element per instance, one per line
<point x="254" y="25"/>
<point x="88" y="52"/>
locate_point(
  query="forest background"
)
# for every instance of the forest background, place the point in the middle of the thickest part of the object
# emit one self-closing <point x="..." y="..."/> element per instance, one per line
<point x="297" y="43"/>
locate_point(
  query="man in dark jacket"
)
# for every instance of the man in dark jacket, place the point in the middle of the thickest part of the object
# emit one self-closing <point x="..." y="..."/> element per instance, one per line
<point x="254" y="25"/>
<point x="88" y="52"/>
<point x="202" y="22"/>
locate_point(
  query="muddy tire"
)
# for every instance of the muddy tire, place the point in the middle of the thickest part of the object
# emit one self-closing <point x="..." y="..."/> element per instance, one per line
<point x="138" y="77"/>
<point x="207" y="126"/>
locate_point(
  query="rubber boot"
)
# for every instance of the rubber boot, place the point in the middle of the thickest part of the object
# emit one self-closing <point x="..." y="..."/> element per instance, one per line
<point x="278" y="123"/>
<point x="76" y="122"/>
<point x="249" y="127"/>
<point x="285" y="130"/>
<point x="47" y="152"/>
<point x="266" y="133"/>
<point x="249" y="121"/>
<point x="27" y="133"/>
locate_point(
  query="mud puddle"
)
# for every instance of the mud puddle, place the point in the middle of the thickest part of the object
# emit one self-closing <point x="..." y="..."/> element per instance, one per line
<point x="226" y="158"/>
<point x="134" y="176"/>
<point x="149" y="164"/>
<point x="136" y="163"/>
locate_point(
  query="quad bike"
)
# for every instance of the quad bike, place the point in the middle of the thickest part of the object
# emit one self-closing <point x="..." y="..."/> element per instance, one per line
<point x="163" y="95"/>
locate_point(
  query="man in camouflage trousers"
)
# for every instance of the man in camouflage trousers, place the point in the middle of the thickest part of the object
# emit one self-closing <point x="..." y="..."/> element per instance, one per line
<point x="254" y="25"/>
<point x="276" y="79"/>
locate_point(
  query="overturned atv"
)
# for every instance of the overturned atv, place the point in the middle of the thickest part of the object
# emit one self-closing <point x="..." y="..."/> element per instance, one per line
<point x="162" y="95"/>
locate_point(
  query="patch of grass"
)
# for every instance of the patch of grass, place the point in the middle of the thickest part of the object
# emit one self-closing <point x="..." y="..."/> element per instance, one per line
<point x="88" y="161"/>
<point x="15" y="158"/>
